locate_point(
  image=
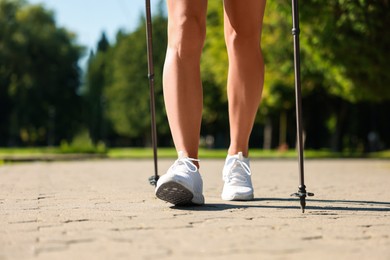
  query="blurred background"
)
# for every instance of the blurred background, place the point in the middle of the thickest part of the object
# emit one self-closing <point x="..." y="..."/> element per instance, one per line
<point x="73" y="75"/>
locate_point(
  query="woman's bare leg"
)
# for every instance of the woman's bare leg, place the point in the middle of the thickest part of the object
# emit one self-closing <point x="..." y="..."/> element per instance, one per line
<point x="243" y="25"/>
<point x="182" y="82"/>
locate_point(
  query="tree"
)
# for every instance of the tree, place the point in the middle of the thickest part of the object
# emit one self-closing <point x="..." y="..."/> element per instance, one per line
<point x="127" y="91"/>
<point x="347" y="40"/>
<point x="346" y="47"/>
<point x="94" y="90"/>
<point x="39" y="76"/>
<point x="214" y="67"/>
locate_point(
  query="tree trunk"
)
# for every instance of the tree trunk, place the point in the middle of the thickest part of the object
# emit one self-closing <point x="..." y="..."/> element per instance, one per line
<point x="267" y="138"/>
<point x="282" y="129"/>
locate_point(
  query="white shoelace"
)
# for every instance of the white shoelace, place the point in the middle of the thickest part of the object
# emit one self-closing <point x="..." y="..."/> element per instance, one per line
<point x="236" y="176"/>
<point x="187" y="162"/>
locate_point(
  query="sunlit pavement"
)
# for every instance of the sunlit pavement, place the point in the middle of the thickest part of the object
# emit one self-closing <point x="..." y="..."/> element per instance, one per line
<point x="106" y="209"/>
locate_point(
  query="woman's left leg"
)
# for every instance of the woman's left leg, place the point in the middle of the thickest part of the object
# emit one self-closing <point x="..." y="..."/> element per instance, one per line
<point x="243" y="27"/>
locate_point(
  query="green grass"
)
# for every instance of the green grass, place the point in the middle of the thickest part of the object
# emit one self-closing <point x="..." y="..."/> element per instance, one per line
<point x="138" y="153"/>
<point x="162" y="153"/>
<point x="221" y="153"/>
<point x="29" y="151"/>
<point x="36" y="151"/>
<point x="381" y="155"/>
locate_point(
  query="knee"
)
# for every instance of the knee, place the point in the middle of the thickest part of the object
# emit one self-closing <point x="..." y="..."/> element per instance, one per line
<point x="186" y="36"/>
<point x="246" y="39"/>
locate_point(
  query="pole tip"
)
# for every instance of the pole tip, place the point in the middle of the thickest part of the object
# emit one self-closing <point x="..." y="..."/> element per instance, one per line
<point x="303" y="204"/>
<point x="153" y="180"/>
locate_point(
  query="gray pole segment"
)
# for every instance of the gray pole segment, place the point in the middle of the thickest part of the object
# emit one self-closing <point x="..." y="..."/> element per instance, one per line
<point x="149" y="44"/>
<point x="298" y="102"/>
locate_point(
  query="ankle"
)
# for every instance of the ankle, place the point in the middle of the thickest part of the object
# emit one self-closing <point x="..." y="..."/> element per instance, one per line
<point x="194" y="156"/>
<point x="196" y="164"/>
<point x="235" y="151"/>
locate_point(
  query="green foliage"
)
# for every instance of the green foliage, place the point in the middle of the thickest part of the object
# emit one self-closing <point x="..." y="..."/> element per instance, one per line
<point x="118" y="77"/>
<point x="214" y="59"/>
<point x="82" y="143"/>
<point x="344" y="49"/>
<point x="346" y="42"/>
<point x="127" y="89"/>
<point x="214" y="67"/>
<point x="96" y="80"/>
<point x="39" y="76"/>
<point x="278" y="93"/>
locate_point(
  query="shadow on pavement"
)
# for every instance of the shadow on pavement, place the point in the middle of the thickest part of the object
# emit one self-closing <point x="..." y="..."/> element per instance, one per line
<point x="331" y="205"/>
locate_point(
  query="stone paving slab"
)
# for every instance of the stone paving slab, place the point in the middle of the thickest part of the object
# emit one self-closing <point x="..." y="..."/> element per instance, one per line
<point x="105" y="209"/>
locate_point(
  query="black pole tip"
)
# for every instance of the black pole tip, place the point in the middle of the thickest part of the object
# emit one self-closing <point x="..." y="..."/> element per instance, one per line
<point x="302" y="198"/>
<point x="153" y="180"/>
<point x="303" y="203"/>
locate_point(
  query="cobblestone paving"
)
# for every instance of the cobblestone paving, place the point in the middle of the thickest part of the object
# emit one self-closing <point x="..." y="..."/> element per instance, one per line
<point x="105" y="209"/>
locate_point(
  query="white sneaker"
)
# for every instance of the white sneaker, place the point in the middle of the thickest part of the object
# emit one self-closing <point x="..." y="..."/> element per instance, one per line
<point x="237" y="177"/>
<point x="182" y="184"/>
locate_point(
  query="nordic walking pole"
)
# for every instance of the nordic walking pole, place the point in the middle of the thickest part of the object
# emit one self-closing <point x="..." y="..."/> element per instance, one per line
<point x="302" y="194"/>
<point x="149" y="41"/>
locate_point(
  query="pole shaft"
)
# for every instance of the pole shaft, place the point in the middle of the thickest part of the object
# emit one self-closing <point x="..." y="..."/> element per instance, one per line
<point x="149" y="43"/>
<point x="298" y="95"/>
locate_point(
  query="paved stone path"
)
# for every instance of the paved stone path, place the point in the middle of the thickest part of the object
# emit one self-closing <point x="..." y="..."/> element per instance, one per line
<point x="105" y="209"/>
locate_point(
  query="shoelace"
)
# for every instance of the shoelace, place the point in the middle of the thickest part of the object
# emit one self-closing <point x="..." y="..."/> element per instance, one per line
<point x="236" y="176"/>
<point x="187" y="162"/>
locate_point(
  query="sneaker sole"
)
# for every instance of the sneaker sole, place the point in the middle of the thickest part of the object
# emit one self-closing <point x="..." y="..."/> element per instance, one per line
<point x="175" y="193"/>
<point x="238" y="197"/>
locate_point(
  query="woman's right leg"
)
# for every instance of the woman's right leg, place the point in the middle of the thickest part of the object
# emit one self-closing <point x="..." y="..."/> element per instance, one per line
<point x="181" y="78"/>
<point x="182" y="184"/>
